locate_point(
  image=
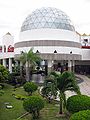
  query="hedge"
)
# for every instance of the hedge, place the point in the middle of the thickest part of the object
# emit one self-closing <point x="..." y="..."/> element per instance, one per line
<point x="30" y="87"/>
<point x="33" y="105"/>
<point x="81" y="115"/>
<point x="77" y="103"/>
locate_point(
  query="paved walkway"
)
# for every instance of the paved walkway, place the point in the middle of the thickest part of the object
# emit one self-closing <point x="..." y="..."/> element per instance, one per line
<point x="84" y="85"/>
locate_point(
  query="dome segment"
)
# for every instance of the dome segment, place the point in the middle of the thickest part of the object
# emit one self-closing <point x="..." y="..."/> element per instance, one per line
<point x="47" y="18"/>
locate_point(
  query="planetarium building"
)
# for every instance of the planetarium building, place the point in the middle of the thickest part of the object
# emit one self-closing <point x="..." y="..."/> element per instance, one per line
<point x="52" y="35"/>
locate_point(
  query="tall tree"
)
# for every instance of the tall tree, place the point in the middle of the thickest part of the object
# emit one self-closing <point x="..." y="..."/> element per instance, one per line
<point x="29" y="58"/>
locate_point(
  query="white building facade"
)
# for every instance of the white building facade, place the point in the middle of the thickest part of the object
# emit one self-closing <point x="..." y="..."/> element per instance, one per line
<point x="7" y="51"/>
<point x="50" y="32"/>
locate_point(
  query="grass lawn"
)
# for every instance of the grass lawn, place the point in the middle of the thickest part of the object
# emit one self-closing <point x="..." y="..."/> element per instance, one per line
<point x="49" y="112"/>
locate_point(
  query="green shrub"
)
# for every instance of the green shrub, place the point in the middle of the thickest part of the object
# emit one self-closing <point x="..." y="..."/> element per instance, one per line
<point x="20" y="97"/>
<point x="4" y="74"/>
<point x="81" y="115"/>
<point x="30" y="87"/>
<point x="33" y="105"/>
<point x="77" y="103"/>
<point x="1" y="92"/>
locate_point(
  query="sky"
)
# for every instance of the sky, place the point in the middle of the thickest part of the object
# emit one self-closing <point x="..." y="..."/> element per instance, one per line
<point x="14" y="12"/>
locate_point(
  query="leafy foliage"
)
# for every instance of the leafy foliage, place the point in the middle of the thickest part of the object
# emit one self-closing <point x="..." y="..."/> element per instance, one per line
<point x="66" y="81"/>
<point x="62" y="82"/>
<point x="81" y="115"/>
<point x="31" y="59"/>
<point x="77" y="103"/>
<point x="30" y="87"/>
<point x="4" y="74"/>
<point x="1" y="92"/>
<point x="50" y="88"/>
<point x="33" y="105"/>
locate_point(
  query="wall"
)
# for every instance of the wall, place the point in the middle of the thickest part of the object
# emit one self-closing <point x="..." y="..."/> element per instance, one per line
<point x="49" y="34"/>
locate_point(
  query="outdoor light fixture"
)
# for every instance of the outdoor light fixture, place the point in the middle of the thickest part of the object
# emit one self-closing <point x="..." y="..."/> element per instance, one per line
<point x="37" y="51"/>
<point x="70" y="52"/>
<point x="55" y="51"/>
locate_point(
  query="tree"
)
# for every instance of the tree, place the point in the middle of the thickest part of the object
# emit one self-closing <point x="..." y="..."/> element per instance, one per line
<point x="4" y="74"/>
<point x="65" y="81"/>
<point x="30" y="87"/>
<point x="33" y="105"/>
<point x="49" y="90"/>
<point x="29" y="58"/>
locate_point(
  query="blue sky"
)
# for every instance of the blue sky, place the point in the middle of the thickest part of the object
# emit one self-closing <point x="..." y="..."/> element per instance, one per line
<point x="13" y="13"/>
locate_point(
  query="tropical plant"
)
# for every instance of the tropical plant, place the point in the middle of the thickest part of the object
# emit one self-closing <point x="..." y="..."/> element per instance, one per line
<point x="64" y="82"/>
<point x="29" y="58"/>
<point x="4" y="74"/>
<point x="33" y="105"/>
<point x="77" y="103"/>
<point x="49" y="90"/>
<point x="30" y="87"/>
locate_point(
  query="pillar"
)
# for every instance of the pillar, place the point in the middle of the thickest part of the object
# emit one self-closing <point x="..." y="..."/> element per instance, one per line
<point x="43" y="62"/>
<point x="50" y="64"/>
<point x="69" y="65"/>
<point x="73" y="66"/>
<point x="10" y="65"/>
<point x="4" y="63"/>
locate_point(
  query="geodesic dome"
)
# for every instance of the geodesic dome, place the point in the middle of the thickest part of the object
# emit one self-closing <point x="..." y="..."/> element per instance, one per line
<point x="47" y="18"/>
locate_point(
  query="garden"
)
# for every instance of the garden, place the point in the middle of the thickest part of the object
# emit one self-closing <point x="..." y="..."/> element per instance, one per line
<point x="22" y="99"/>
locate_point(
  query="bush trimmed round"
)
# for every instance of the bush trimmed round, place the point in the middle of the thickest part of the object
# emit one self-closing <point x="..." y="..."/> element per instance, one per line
<point x="81" y="115"/>
<point x="30" y="87"/>
<point x="33" y="104"/>
<point x="77" y="103"/>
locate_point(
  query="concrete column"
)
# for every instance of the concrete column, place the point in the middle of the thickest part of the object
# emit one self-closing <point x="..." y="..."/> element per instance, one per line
<point x="69" y="65"/>
<point x="50" y="64"/>
<point x="4" y="63"/>
<point x="10" y="65"/>
<point x="73" y="66"/>
<point x="43" y="62"/>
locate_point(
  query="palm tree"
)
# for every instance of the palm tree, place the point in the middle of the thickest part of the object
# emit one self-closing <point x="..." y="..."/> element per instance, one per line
<point x="29" y="58"/>
<point x="65" y="81"/>
<point x="49" y="90"/>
